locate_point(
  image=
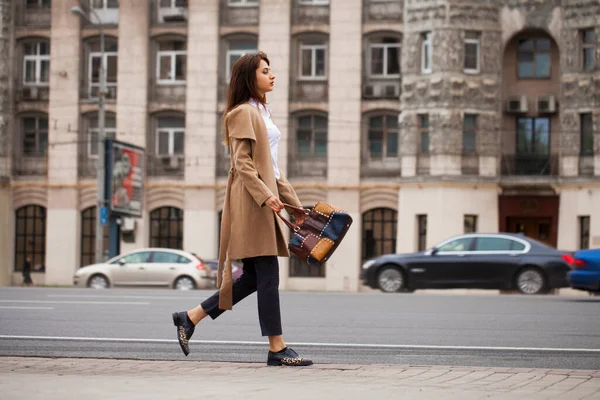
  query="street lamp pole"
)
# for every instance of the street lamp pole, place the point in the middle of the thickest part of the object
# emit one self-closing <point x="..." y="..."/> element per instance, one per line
<point x="100" y="179"/>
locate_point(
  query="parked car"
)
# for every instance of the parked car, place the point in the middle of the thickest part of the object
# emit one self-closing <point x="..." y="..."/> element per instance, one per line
<point x="236" y="268"/>
<point x="480" y="261"/>
<point x="148" y="267"/>
<point x="585" y="274"/>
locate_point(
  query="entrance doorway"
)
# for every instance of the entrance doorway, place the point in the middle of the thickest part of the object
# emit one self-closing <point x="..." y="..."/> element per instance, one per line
<point x="535" y="228"/>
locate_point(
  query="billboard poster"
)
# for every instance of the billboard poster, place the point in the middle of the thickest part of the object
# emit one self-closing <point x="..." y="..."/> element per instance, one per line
<point x="125" y="178"/>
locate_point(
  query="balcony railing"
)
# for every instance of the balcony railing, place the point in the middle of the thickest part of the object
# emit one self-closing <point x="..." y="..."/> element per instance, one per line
<point x="238" y="16"/>
<point x="310" y="15"/>
<point x="383" y="11"/>
<point x="165" y="166"/>
<point x="32" y="16"/>
<point x="33" y="166"/>
<point x="158" y="93"/>
<point x="529" y="165"/>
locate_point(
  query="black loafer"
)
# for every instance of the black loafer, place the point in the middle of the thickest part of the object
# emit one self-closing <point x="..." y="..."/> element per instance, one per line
<point x="287" y="357"/>
<point x="185" y="330"/>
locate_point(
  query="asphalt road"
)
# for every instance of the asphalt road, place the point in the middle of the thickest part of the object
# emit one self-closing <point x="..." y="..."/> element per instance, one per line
<point x="366" y="328"/>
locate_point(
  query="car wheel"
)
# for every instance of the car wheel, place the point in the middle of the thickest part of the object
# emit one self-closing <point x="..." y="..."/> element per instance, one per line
<point x="390" y="279"/>
<point x="184" y="283"/>
<point x="98" y="282"/>
<point x="531" y="281"/>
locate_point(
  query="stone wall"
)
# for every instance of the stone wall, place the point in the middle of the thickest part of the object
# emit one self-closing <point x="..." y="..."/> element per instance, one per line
<point x="5" y="70"/>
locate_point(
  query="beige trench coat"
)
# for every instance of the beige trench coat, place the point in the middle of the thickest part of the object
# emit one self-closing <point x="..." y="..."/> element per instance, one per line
<point x="248" y="227"/>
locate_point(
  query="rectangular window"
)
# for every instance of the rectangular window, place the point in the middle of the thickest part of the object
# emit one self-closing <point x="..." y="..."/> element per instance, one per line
<point x="533" y="136"/>
<point x="35" y="136"/>
<point x="385" y="60"/>
<point x="471" y="63"/>
<point x="424" y="133"/>
<point x="36" y="64"/>
<point x="109" y="65"/>
<point x="421" y="232"/>
<point x="313" y="59"/>
<point x="38" y="4"/>
<point x="588" y="44"/>
<point x="311" y="137"/>
<point x="110" y="131"/>
<point x="470" y="223"/>
<point x="103" y="4"/>
<point x="470" y="133"/>
<point x="383" y="137"/>
<point x="587" y="134"/>
<point x="171" y="62"/>
<point x="584" y="232"/>
<point x="426" y="52"/>
<point x="534" y="58"/>
<point x="236" y="50"/>
<point x="170" y="136"/>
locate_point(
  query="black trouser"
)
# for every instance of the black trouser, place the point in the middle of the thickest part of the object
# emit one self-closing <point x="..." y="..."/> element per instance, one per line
<point x="261" y="275"/>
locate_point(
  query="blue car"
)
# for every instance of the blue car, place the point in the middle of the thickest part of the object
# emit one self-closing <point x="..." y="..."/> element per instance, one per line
<point x="585" y="274"/>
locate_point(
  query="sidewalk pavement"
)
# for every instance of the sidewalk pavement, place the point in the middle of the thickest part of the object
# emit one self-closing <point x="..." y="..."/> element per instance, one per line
<point x="35" y="378"/>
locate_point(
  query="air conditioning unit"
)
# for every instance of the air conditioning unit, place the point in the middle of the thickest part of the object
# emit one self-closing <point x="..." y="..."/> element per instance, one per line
<point x="171" y="162"/>
<point x="172" y="15"/>
<point x="517" y="104"/>
<point x="30" y="93"/>
<point x="546" y="104"/>
<point x="368" y="91"/>
<point x="391" y="91"/>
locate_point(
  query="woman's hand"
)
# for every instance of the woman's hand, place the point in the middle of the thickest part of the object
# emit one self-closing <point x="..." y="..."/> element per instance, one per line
<point x="274" y="204"/>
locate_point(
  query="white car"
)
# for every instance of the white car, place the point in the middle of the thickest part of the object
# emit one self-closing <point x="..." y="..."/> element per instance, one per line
<point x="148" y="267"/>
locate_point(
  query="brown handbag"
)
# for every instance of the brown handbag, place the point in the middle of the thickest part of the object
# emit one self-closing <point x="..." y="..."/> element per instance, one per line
<point x="315" y="239"/>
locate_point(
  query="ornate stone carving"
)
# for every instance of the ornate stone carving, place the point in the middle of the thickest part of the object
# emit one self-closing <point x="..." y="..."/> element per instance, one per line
<point x="462" y="14"/>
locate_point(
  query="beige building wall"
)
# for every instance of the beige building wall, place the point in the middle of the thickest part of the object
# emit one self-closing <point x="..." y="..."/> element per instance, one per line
<point x="574" y="203"/>
<point x="63" y="211"/>
<point x="445" y="207"/>
<point x="6" y="235"/>
<point x="132" y="91"/>
<point x="200" y="215"/>
<point x="343" y="151"/>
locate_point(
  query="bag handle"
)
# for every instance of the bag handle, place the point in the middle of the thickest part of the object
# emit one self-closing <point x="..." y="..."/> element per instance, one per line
<point x="290" y="224"/>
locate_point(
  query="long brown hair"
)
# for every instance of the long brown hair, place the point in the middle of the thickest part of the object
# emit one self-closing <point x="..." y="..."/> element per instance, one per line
<point x="242" y="85"/>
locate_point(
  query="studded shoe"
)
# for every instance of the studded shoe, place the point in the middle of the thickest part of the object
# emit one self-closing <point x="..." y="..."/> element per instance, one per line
<point x="288" y="357"/>
<point x="185" y="330"/>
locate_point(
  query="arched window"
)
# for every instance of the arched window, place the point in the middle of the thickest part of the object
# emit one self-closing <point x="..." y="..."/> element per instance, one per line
<point x="88" y="237"/>
<point x="166" y="228"/>
<point x="30" y="237"/>
<point x="379" y="232"/>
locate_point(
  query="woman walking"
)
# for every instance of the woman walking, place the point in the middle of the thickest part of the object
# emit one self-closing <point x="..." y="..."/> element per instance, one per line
<point x="250" y="230"/>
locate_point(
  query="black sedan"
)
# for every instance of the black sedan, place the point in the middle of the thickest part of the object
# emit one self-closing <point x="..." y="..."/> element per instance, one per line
<point x="476" y="261"/>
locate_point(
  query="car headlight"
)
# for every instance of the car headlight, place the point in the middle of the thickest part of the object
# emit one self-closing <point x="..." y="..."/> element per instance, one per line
<point x="368" y="264"/>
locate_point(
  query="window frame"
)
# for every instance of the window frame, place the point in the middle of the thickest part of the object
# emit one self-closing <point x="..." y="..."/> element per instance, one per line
<point x="166" y="215"/>
<point x="379" y="215"/>
<point x="473" y="221"/>
<point x="171" y="132"/>
<point x="313" y="55"/>
<point x="385" y="130"/>
<point x="426" y="57"/>
<point x="385" y="47"/>
<point x="424" y="131"/>
<point x="533" y="137"/>
<point x="312" y="155"/>
<point x="477" y="43"/>
<point x="584" y="222"/>
<point x="103" y="56"/>
<point x="104" y="5"/>
<point x="421" y="232"/>
<point x="172" y="54"/>
<point x="243" y="3"/>
<point x="586" y="134"/>
<point x="313" y="2"/>
<point x="229" y="53"/>
<point x="535" y="51"/>
<point x="40" y="216"/>
<point x="109" y="132"/>
<point x="472" y="130"/>
<point x="586" y="46"/>
<point x="37" y="59"/>
<point x="38" y="132"/>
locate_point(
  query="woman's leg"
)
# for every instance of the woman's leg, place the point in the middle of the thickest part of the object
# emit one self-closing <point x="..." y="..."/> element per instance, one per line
<point x="242" y="287"/>
<point x="269" y="313"/>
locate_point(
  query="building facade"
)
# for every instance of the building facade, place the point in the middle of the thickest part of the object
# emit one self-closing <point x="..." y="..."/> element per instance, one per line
<point x="421" y="118"/>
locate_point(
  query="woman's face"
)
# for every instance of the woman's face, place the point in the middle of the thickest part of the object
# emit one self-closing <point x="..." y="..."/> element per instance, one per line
<point x="265" y="80"/>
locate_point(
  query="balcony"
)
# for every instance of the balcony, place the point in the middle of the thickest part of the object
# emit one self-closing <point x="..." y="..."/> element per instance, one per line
<point x="309" y="91"/>
<point x="175" y="15"/>
<point x="31" y="93"/>
<point x="381" y="89"/>
<point x="30" y="166"/>
<point x="166" y="93"/>
<point x="529" y="165"/>
<point x="239" y="15"/>
<point x="32" y="16"/>
<point x="172" y="166"/>
<point x="308" y="167"/>
<point x="376" y="11"/>
<point x="310" y="14"/>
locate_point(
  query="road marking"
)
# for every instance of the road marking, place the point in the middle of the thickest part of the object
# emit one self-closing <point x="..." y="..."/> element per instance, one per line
<point x="348" y="345"/>
<point x="116" y="297"/>
<point x="28" y="308"/>
<point x="77" y="302"/>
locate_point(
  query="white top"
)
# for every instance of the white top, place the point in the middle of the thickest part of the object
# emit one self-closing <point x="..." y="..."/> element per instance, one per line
<point x="273" y="133"/>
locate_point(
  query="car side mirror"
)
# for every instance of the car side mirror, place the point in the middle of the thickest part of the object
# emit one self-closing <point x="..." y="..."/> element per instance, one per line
<point x="434" y="251"/>
<point x="121" y="262"/>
